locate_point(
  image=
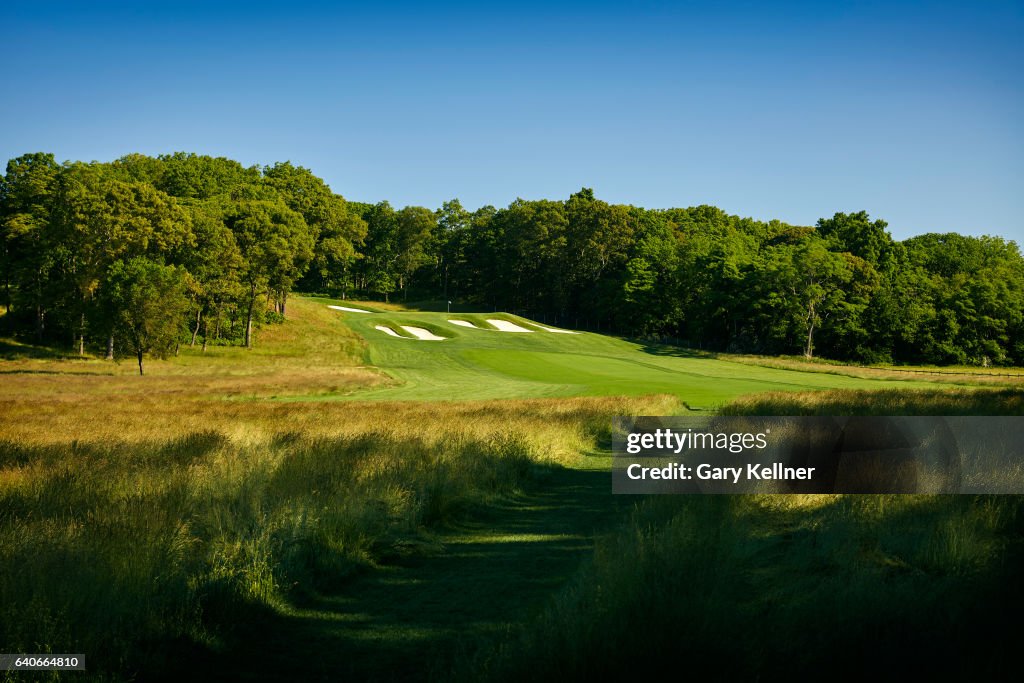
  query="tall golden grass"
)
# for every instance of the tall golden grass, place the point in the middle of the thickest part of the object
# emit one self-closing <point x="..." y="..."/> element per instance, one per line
<point x="946" y="401"/>
<point x="993" y="376"/>
<point x="130" y="523"/>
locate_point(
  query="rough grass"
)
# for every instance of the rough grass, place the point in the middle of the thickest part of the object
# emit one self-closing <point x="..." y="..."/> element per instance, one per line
<point x="312" y="352"/>
<point x="999" y="376"/>
<point x="792" y="587"/>
<point x="123" y="548"/>
<point x="950" y="401"/>
<point x="143" y="519"/>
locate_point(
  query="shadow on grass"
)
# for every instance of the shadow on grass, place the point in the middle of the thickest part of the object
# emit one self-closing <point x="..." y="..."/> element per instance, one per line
<point x="411" y="620"/>
<point x="737" y="588"/>
<point x="668" y="350"/>
<point x="15" y="350"/>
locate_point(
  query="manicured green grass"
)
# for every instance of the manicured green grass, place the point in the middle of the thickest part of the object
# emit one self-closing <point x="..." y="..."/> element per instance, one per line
<point x="475" y="364"/>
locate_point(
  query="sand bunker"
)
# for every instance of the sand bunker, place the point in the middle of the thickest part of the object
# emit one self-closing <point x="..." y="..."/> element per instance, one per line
<point x="346" y="308"/>
<point x="506" y="326"/>
<point x="417" y="332"/>
<point x="421" y="333"/>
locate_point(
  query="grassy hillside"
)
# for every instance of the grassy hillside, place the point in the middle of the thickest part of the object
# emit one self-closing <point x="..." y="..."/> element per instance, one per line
<point x="313" y="350"/>
<point x="483" y="363"/>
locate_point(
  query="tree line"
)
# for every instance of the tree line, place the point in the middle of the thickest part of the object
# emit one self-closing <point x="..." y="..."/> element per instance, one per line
<point x="142" y="254"/>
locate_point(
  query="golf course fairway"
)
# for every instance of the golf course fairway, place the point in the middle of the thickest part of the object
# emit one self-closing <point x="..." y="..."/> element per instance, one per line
<point x="483" y="363"/>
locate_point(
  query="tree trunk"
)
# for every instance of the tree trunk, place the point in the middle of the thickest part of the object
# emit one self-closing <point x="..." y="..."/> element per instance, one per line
<point x="81" y="336"/>
<point x="248" y="321"/>
<point x="110" y="347"/>
<point x="206" y="333"/>
<point x="809" y="348"/>
<point x="195" y="332"/>
<point x="284" y="299"/>
<point x="138" y="350"/>
<point x="40" y="312"/>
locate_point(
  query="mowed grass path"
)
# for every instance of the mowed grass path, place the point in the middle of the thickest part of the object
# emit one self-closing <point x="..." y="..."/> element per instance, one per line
<point x="472" y="364"/>
<point x="415" y="619"/>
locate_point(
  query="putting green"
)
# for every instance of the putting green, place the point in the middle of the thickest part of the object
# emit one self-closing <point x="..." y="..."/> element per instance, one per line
<point x="485" y="363"/>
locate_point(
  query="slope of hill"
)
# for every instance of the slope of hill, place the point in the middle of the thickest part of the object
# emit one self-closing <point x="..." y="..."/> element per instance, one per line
<point x="477" y="361"/>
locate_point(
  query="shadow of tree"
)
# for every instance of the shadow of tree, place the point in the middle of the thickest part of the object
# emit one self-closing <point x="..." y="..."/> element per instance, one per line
<point x="11" y="349"/>
<point x="669" y="350"/>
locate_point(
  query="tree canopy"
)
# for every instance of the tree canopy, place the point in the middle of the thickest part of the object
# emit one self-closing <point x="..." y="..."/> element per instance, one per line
<point x="87" y="248"/>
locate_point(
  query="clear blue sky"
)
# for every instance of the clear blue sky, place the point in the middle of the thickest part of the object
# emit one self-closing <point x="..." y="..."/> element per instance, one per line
<point x="910" y="110"/>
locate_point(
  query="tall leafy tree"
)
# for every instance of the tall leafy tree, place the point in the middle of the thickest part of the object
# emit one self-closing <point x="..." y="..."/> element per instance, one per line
<point x="99" y="220"/>
<point x="337" y="231"/>
<point x="857" y="234"/>
<point x="446" y="245"/>
<point x="528" y="254"/>
<point x="214" y="266"/>
<point x="197" y="176"/>
<point x="414" y="227"/>
<point x="27" y="193"/>
<point x="275" y="245"/>
<point x="377" y="268"/>
<point x="597" y="242"/>
<point x="396" y="246"/>
<point x="651" y="299"/>
<point x="807" y="285"/>
<point x="148" y="303"/>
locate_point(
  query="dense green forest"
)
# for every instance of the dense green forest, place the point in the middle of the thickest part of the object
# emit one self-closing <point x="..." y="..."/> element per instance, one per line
<point x="141" y="255"/>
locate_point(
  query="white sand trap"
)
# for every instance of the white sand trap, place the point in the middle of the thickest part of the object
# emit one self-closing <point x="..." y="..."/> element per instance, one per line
<point x="553" y="329"/>
<point x="346" y="308"/>
<point x="506" y="326"/>
<point x="421" y="333"/>
<point x="463" y="323"/>
<point x="388" y="330"/>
